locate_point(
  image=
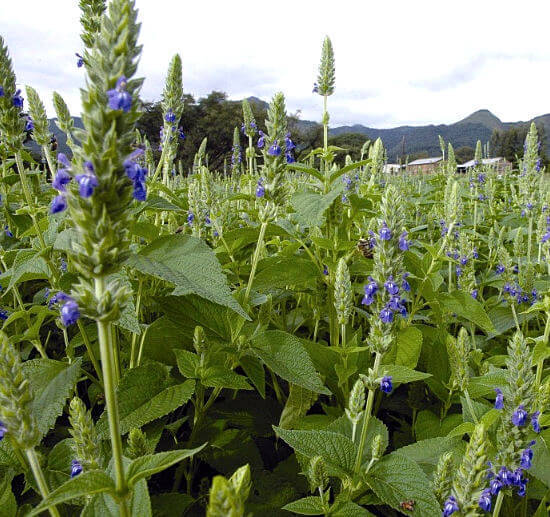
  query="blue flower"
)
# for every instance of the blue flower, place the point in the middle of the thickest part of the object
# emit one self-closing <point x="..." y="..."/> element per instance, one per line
<point x="118" y="97"/>
<point x="450" y="506"/>
<point x="325" y="270"/>
<point x="181" y="134"/>
<point x="390" y="286"/>
<point x="260" y="189"/>
<point x="371" y="287"/>
<point x="137" y="174"/>
<point x="289" y="144"/>
<point x="385" y="384"/>
<point x="526" y="458"/>
<point x="76" y="468"/>
<point x="29" y="125"/>
<point x="372" y="240"/>
<point x="190" y="218"/>
<point x="3" y="430"/>
<point x="207" y="220"/>
<point x="7" y="231"/>
<point x="315" y="88"/>
<point x="17" y="99"/>
<point x="546" y="237"/>
<point x="405" y="284"/>
<point x="403" y="242"/>
<point x="367" y="299"/>
<point x="80" y="60"/>
<point x="499" y="400"/>
<point x="261" y="140"/>
<point x="87" y="182"/>
<point x="458" y="271"/>
<point x="274" y="150"/>
<point x="170" y="116"/>
<point x="500" y="269"/>
<point x="2" y="91"/>
<point x="61" y="179"/>
<point x="535" y="421"/>
<point x="289" y="157"/>
<point x="485" y="500"/>
<point x="495" y="485"/>
<point x="385" y="232"/>
<point x="59" y="204"/>
<point x="4" y="314"/>
<point x="463" y="261"/>
<point x="475" y="254"/>
<point x="63" y="265"/>
<point x="386" y="315"/>
<point x="70" y="313"/>
<point x="474" y="293"/>
<point x="520" y="416"/>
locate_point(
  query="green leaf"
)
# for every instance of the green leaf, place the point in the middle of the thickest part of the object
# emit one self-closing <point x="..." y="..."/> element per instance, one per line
<point x="406" y="351"/>
<point x="427" y="452"/>
<point x="85" y="484"/>
<point x="8" y="506"/>
<point x="348" y="509"/>
<point x="396" y="478"/>
<point x="220" y="377"/>
<point x="337" y="450"/>
<point x="466" y="307"/>
<point x="300" y="167"/>
<point x="402" y="374"/>
<point x="190" y="265"/>
<point x="144" y="394"/>
<point x="188" y="363"/>
<point x="254" y="370"/>
<point x="279" y="272"/>
<point x="311" y="505"/>
<point x="28" y="265"/>
<point x="348" y="168"/>
<point x="145" y="466"/>
<point x="52" y="382"/>
<point x="287" y="357"/>
<point x="310" y="207"/>
<point x="297" y="405"/>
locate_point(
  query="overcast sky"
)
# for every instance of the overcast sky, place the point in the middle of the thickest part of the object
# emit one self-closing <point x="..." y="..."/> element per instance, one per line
<point x="397" y="62"/>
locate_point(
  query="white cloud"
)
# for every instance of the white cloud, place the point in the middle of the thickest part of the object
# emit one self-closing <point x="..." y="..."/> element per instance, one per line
<point x="397" y="62"/>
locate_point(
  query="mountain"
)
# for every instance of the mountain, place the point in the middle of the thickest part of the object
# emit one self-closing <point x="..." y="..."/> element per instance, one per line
<point x="466" y="132"/>
<point x="60" y="135"/>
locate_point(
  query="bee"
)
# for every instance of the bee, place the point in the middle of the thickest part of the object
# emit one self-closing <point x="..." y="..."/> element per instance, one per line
<point x="179" y="229"/>
<point x="407" y="505"/>
<point x="53" y="143"/>
<point x="365" y="248"/>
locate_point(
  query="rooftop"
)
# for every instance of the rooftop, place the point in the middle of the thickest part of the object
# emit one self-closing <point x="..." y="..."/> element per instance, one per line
<point x="425" y="161"/>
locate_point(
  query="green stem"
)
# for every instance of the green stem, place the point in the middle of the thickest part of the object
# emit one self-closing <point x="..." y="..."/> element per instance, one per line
<point x="529" y="239"/>
<point x="366" y="417"/>
<point x="255" y="259"/>
<point x="470" y="406"/>
<point x="498" y="504"/>
<point x="91" y="354"/>
<point x="546" y="336"/>
<point x="107" y="363"/>
<point x="515" y="316"/>
<point x="135" y="336"/>
<point x="40" y="479"/>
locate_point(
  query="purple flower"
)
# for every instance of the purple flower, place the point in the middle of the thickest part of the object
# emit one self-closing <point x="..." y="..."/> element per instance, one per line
<point x="63" y="160"/>
<point x="2" y="91"/>
<point x="367" y="299"/>
<point x="390" y="286"/>
<point x="403" y="242"/>
<point x="70" y="313"/>
<point x="118" y="97"/>
<point x="385" y="232"/>
<point x="458" y="271"/>
<point x="190" y="218"/>
<point x="475" y="254"/>
<point x="170" y="116"/>
<point x="474" y="294"/>
<point x="386" y="315"/>
<point x="520" y="416"/>
<point x="61" y="179"/>
<point x="315" y="88"/>
<point x="405" y="284"/>
<point x="499" y="401"/>
<point x="181" y="134"/>
<point x="289" y="157"/>
<point x="7" y="231"/>
<point x="325" y="270"/>
<point x="289" y="144"/>
<point x="535" y="421"/>
<point x="500" y="269"/>
<point x="76" y="468"/>
<point x="274" y="150"/>
<point x="17" y="99"/>
<point x="546" y="237"/>
<point x="526" y="458"/>
<point x="87" y="182"/>
<point x="29" y="125"/>
<point x="385" y="384"/>
<point x="3" y="316"/>
<point x="371" y="287"/>
<point x="463" y="261"/>
<point x="372" y="240"/>
<point x="80" y="60"/>
<point x="495" y="485"/>
<point x="261" y="140"/>
<point x="260" y="189"/>
<point x="59" y="204"/>
<point x="3" y="430"/>
<point x="450" y="506"/>
<point x="485" y="500"/>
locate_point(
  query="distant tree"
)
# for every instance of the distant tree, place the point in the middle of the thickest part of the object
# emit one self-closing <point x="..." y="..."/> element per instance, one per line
<point x="509" y="143"/>
<point x="464" y="154"/>
<point x="352" y="142"/>
<point x="418" y="155"/>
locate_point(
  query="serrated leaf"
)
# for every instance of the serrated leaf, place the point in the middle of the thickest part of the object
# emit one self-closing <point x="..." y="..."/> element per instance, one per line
<point x="145" y="466"/>
<point x="310" y="207"/>
<point x="396" y="478"/>
<point x="52" y="382"/>
<point x="402" y="374"/>
<point x="279" y="272"/>
<point x="287" y="357"/>
<point x="406" y="351"/>
<point x="86" y="484"/>
<point x="190" y="265"/>
<point x="297" y="404"/>
<point x="337" y="450"/>
<point x="219" y="377"/>
<point x="254" y="370"/>
<point x="8" y="505"/>
<point x="462" y="304"/>
<point x="28" y="265"/>
<point x="187" y="362"/>
<point x="311" y="505"/>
